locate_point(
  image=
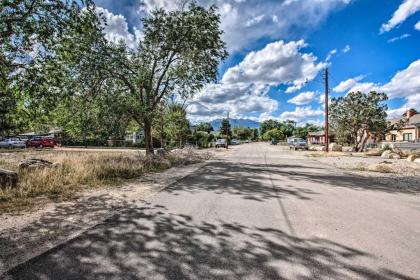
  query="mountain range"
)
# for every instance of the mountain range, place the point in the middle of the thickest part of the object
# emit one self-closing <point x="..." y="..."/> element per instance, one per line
<point x="236" y="123"/>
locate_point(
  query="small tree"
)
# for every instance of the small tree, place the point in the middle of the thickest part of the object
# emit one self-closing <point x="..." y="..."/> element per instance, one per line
<point x="358" y="116"/>
<point x="205" y="126"/>
<point x="273" y="134"/>
<point x="225" y="128"/>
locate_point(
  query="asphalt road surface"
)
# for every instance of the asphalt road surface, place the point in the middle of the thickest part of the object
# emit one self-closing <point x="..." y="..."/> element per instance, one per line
<point x="258" y="213"/>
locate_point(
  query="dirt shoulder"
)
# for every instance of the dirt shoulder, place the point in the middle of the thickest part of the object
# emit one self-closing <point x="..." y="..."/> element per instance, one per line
<point x="26" y="235"/>
<point x="398" y="173"/>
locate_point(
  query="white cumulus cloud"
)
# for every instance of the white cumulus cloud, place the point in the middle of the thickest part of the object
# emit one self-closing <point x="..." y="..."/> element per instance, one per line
<point x="348" y="84"/>
<point x="277" y="63"/>
<point x="406" y="9"/>
<point x="303" y="98"/>
<point x="301" y="114"/>
<point x="116" y="28"/>
<point x="245" y="22"/>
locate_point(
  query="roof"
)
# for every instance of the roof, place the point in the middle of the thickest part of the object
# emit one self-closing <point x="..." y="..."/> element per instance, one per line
<point x="413" y="121"/>
<point x="320" y="133"/>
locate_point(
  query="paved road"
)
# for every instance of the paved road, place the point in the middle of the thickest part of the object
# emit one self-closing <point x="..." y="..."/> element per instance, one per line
<point x="259" y="213"/>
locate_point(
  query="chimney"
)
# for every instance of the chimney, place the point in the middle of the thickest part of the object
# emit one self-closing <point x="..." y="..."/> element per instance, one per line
<point x="410" y="113"/>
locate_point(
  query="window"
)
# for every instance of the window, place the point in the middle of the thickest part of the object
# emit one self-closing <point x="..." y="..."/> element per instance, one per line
<point x="393" y="137"/>
<point x="407" y="136"/>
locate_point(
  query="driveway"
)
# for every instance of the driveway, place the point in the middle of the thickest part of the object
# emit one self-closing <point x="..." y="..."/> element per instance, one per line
<point x="257" y="213"/>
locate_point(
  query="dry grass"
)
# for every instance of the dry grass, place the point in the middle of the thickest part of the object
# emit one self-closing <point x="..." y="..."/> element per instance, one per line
<point x="380" y="168"/>
<point x="329" y="154"/>
<point x="79" y="171"/>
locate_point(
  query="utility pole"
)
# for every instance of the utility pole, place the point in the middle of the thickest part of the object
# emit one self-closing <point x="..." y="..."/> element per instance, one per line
<point x="327" y="138"/>
<point x="228" y="130"/>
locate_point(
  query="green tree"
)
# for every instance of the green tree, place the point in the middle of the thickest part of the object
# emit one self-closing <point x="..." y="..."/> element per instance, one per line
<point x="29" y="32"/>
<point x="225" y="128"/>
<point x="302" y="131"/>
<point x="255" y="134"/>
<point x="273" y="134"/>
<point x="205" y="126"/>
<point x="243" y="133"/>
<point x="268" y="125"/>
<point x="357" y="116"/>
<point x="179" y="53"/>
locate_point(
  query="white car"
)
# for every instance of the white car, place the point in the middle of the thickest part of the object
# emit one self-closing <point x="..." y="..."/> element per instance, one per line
<point x="12" y="143"/>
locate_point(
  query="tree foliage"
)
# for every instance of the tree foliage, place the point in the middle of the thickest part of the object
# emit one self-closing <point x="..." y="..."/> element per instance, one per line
<point x="358" y="116"/>
<point x="179" y="53"/>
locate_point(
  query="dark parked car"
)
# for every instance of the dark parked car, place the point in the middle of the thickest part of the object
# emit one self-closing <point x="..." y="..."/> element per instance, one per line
<point x="40" y="142"/>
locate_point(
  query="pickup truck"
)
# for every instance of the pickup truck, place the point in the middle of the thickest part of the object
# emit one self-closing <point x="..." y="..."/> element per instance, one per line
<point x="221" y="143"/>
<point x="298" y="143"/>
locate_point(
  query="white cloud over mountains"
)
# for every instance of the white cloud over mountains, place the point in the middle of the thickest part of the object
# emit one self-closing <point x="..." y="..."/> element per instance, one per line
<point x="406" y="9"/>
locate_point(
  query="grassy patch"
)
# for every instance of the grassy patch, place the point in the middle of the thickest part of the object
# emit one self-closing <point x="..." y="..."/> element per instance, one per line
<point x="329" y="154"/>
<point x="380" y="168"/>
<point x="79" y="171"/>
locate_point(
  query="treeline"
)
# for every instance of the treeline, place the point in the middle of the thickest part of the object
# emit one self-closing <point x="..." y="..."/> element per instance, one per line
<point x="272" y="129"/>
<point x="58" y="69"/>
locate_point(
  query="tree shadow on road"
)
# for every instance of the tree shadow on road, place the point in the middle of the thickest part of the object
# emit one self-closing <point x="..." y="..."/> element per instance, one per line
<point x="150" y="242"/>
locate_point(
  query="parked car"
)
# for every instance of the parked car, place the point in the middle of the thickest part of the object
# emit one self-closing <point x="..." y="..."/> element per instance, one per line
<point x="221" y="143"/>
<point x="12" y="143"/>
<point x="40" y="142"/>
<point x="234" y="142"/>
<point x="298" y="143"/>
<point x="273" y="141"/>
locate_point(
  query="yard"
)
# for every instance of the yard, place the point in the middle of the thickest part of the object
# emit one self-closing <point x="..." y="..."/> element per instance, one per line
<point x="78" y="170"/>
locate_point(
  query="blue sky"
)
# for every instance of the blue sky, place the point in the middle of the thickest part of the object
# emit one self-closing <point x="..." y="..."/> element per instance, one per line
<point x="279" y="48"/>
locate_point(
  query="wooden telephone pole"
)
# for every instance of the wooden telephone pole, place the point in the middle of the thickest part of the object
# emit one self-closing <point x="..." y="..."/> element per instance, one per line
<point x="327" y="138"/>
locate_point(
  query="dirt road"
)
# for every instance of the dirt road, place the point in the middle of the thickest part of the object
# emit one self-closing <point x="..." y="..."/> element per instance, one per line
<point x="257" y="213"/>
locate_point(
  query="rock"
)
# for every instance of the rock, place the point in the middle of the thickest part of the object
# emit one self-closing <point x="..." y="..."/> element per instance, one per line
<point x="34" y="163"/>
<point x="334" y="147"/>
<point x="348" y="149"/>
<point x="8" y="178"/>
<point x="412" y="158"/>
<point x="394" y="156"/>
<point x="386" y="154"/>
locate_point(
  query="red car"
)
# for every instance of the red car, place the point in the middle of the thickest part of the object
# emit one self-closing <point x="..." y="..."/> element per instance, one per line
<point x="39" y="142"/>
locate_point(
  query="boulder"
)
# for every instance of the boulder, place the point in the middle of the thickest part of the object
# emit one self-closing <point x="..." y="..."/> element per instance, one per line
<point x="412" y="158"/>
<point x="8" y="178"/>
<point x="334" y="147"/>
<point x="386" y="154"/>
<point x="34" y="163"/>
<point x="394" y="156"/>
<point x="348" y="149"/>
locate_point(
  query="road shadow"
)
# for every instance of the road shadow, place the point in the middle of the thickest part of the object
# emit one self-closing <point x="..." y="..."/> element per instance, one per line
<point x="250" y="181"/>
<point x="152" y="243"/>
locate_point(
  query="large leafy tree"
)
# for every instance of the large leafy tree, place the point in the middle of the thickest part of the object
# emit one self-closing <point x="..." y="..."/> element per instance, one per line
<point x="179" y="53"/>
<point x="29" y="31"/>
<point x="205" y="126"/>
<point x="358" y="116"/>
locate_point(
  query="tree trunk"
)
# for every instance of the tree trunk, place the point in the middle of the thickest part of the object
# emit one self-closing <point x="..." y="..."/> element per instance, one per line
<point x="148" y="140"/>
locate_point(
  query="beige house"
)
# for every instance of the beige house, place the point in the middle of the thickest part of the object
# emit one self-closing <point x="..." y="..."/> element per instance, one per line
<point x="410" y="132"/>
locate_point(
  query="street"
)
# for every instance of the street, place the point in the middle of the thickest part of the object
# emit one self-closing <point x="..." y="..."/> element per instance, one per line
<point x="258" y="212"/>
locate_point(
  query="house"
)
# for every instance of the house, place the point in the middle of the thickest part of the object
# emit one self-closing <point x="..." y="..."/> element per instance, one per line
<point x="318" y="137"/>
<point x="410" y="132"/>
<point x="135" y="137"/>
